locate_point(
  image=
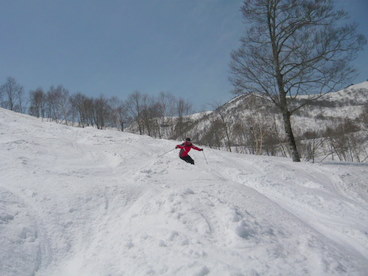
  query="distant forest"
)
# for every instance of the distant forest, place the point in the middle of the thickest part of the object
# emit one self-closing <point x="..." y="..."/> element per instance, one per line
<point x="59" y="105"/>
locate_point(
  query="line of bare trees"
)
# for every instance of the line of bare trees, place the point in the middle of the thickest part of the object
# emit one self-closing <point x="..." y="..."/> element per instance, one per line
<point x="259" y="134"/>
<point x="57" y="104"/>
<point x="344" y="142"/>
<point x="12" y="96"/>
<point x="160" y="116"/>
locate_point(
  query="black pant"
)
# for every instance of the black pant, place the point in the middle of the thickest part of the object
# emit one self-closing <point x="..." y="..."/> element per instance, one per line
<point x="187" y="159"/>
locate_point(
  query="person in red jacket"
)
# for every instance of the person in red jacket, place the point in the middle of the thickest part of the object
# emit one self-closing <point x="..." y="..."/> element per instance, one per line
<point x="185" y="148"/>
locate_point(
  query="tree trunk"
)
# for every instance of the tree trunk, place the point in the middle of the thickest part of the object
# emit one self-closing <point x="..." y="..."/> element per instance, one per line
<point x="280" y="82"/>
<point x="290" y="136"/>
<point x="286" y="118"/>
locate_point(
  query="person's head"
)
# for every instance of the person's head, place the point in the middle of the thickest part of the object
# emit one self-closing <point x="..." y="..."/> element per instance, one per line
<point x="187" y="141"/>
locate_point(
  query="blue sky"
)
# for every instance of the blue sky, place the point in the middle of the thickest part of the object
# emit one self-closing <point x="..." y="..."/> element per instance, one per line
<point x="116" y="47"/>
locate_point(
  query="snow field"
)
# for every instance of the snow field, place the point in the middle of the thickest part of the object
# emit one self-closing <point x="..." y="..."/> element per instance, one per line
<point x="88" y="202"/>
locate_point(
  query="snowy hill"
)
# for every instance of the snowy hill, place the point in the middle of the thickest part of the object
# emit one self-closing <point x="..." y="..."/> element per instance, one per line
<point x="79" y="201"/>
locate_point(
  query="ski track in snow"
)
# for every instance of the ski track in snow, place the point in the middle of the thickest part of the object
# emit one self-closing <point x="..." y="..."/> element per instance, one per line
<point x="88" y="202"/>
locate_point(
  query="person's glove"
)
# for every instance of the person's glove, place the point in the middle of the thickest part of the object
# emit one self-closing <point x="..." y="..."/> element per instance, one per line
<point x="200" y="149"/>
<point x="176" y="147"/>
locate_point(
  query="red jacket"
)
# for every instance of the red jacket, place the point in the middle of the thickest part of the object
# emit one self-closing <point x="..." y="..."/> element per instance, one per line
<point x="186" y="147"/>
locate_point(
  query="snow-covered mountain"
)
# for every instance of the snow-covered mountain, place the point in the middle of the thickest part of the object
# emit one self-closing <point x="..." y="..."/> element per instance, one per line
<point x="251" y="123"/>
<point x="348" y="103"/>
<point x="79" y="201"/>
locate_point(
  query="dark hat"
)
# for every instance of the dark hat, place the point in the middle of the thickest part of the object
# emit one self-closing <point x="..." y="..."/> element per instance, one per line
<point x="187" y="139"/>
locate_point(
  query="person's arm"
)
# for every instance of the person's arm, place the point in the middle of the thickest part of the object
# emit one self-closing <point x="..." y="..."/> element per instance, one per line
<point x="179" y="147"/>
<point x="196" y="148"/>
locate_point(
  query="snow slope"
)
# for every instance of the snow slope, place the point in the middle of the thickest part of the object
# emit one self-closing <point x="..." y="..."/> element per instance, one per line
<point x="90" y="202"/>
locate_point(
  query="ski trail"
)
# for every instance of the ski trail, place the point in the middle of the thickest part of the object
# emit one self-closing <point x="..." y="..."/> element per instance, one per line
<point x="24" y="236"/>
<point x="319" y="201"/>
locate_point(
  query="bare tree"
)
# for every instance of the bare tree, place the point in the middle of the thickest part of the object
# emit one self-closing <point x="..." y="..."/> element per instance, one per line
<point x="101" y="112"/>
<point x="134" y="103"/>
<point x="149" y="114"/>
<point x="58" y="103"/>
<point x="344" y="141"/>
<point x="12" y="95"/>
<point x="37" y="106"/>
<point x="166" y="105"/>
<point x="79" y="108"/>
<point x="313" y="142"/>
<point x="214" y="135"/>
<point x="292" y="48"/>
<point x="183" y="108"/>
<point x="119" y="112"/>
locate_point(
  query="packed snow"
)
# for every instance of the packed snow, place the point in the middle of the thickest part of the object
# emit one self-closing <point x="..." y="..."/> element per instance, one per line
<point x="82" y="201"/>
